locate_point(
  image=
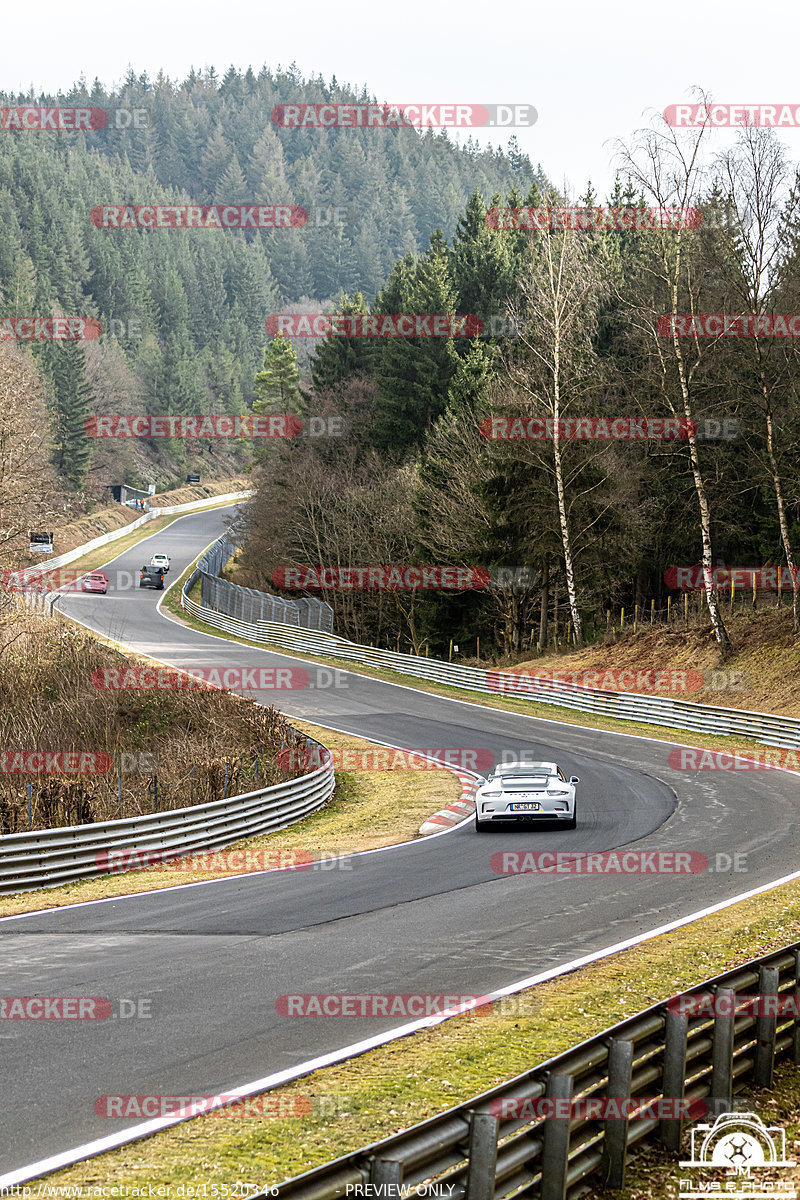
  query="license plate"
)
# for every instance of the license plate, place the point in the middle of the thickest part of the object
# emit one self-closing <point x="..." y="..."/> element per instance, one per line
<point x="525" y="807"/>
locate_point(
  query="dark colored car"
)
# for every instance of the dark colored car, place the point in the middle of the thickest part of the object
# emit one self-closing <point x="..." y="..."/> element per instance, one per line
<point x="95" y="581"/>
<point x="151" y="577"/>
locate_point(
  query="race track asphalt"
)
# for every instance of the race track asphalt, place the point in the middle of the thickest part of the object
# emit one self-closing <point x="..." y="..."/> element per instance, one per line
<point x="431" y="916"/>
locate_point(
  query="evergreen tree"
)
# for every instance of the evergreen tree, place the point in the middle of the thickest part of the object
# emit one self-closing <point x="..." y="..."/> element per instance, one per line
<point x="338" y="359"/>
<point x="414" y="373"/>
<point x="72" y="400"/>
<point x="278" y="383"/>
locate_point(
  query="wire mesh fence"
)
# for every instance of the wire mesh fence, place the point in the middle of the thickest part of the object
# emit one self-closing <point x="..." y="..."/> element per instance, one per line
<point x="249" y="604"/>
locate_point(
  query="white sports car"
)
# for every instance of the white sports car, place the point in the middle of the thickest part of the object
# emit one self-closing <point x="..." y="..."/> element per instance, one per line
<point x="526" y="792"/>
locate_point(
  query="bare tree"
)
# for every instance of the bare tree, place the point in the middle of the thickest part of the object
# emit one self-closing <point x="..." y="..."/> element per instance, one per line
<point x="757" y="182"/>
<point x="553" y="366"/>
<point x="27" y="489"/>
<point x="666" y="165"/>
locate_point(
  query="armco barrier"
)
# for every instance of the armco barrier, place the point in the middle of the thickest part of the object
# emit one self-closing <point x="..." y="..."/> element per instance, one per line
<point x="48" y="857"/>
<point x="766" y="728"/>
<point x="151" y="515"/>
<point x="467" y="1153"/>
<point x="43" y="601"/>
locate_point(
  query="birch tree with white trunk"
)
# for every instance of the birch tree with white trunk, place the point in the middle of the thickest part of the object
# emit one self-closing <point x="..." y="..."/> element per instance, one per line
<point x="667" y="166"/>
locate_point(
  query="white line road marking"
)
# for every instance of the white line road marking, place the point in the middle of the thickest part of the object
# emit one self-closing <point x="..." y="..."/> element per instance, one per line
<point x="133" y="1132"/>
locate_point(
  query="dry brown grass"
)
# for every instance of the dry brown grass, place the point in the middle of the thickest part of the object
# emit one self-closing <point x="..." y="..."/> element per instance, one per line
<point x="201" y="491"/>
<point x="765" y="652"/>
<point x="368" y="809"/>
<point x="49" y="701"/>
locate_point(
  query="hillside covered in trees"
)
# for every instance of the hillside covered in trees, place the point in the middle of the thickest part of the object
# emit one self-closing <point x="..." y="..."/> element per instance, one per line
<point x="186" y="308"/>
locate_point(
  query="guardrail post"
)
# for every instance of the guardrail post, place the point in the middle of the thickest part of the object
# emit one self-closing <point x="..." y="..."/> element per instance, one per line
<point x="796" y="1029"/>
<point x="615" y="1130"/>
<point x="673" y="1079"/>
<point x="722" y="1056"/>
<point x="766" y="1023"/>
<point x="482" y="1155"/>
<point x="389" y="1174"/>
<point x="555" y="1148"/>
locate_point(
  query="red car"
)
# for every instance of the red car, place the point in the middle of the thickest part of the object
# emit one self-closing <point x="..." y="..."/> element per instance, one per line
<point x="95" y="581"/>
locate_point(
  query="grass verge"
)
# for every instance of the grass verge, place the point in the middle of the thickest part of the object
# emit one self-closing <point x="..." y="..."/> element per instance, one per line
<point x="528" y="708"/>
<point x="368" y="809"/>
<point x="389" y="1088"/>
<point x="99" y="557"/>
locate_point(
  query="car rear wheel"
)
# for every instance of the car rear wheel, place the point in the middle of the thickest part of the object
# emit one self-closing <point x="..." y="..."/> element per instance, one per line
<point x="573" y="824"/>
<point x="482" y="826"/>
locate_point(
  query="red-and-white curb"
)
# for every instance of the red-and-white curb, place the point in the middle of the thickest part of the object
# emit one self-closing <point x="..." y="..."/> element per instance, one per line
<point x="454" y="813"/>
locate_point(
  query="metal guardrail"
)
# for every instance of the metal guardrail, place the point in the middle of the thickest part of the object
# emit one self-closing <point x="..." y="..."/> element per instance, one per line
<point x="767" y="728"/>
<point x="660" y="1053"/>
<point x="42" y="600"/>
<point x="152" y="514"/>
<point x="49" y="857"/>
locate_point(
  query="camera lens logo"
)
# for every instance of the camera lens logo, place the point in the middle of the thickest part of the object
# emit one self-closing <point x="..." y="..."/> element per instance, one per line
<point x="739" y="1143"/>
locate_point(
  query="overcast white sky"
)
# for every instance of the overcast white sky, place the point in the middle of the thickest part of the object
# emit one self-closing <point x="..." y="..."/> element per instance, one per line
<point x="593" y="69"/>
